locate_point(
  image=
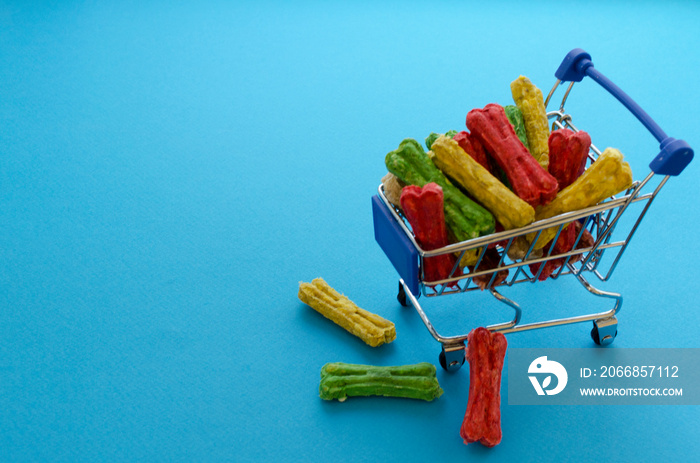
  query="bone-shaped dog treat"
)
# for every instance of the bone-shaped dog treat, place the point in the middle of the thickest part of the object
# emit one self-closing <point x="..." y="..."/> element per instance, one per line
<point x="510" y="211"/>
<point x="434" y="136"/>
<point x="515" y="116"/>
<point x="342" y="380"/>
<point x="392" y="188"/>
<point x="473" y="148"/>
<point x="568" y="151"/>
<point x="490" y="261"/>
<point x="565" y="242"/>
<point x="529" y="99"/>
<point x="482" y="420"/>
<point x="423" y="208"/>
<point x="607" y="176"/>
<point x="528" y="179"/>
<point x="371" y="328"/>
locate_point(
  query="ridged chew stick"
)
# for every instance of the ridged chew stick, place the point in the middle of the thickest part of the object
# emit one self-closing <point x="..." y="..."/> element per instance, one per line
<point x="508" y="209"/>
<point x="515" y="116"/>
<point x="565" y="242"/>
<point x="572" y="235"/>
<point x="392" y="188"/>
<point x="490" y="261"/>
<point x="434" y="136"/>
<point x="342" y="380"/>
<point x="529" y="100"/>
<point x="371" y="328"/>
<point x="528" y="179"/>
<point x="423" y="208"/>
<point x="607" y="176"/>
<point x="568" y="151"/>
<point x="486" y="351"/>
<point x="473" y="147"/>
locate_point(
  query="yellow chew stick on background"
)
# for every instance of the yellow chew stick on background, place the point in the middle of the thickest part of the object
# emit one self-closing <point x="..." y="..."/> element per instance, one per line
<point x="506" y="206"/>
<point x="528" y="98"/>
<point x="371" y="328"/>
<point x="608" y="175"/>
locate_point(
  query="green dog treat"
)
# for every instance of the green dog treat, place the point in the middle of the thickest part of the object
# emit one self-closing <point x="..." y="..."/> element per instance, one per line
<point x="465" y="219"/>
<point x="515" y="116"/>
<point x="343" y="380"/>
<point x="430" y="139"/>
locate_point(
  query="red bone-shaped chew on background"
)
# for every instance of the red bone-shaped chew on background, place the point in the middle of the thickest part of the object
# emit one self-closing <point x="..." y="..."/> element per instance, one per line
<point x="424" y="210"/>
<point x="485" y="354"/>
<point x="529" y="180"/>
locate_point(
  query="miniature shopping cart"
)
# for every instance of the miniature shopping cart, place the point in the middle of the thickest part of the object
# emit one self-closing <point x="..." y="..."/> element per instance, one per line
<point x="606" y="234"/>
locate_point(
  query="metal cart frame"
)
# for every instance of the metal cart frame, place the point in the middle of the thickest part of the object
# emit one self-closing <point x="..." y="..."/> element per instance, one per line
<point x="602" y="221"/>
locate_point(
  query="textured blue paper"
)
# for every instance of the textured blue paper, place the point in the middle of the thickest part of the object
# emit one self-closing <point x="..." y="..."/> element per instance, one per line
<point x="170" y="171"/>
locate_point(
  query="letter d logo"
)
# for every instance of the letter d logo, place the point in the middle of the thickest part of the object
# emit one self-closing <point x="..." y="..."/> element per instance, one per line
<point x="542" y="365"/>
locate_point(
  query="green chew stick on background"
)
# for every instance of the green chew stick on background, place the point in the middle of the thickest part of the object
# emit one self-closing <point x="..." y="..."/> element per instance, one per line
<point x="342" y="380"/>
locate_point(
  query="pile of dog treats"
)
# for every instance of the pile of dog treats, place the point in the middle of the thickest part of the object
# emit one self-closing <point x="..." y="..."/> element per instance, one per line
<point x="504" y="172"/>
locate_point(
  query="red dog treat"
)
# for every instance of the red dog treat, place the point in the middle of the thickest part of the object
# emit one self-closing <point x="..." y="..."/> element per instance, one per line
<point x="565" y="243"/>
<point x="485" y="354"/>
<point x="473" y="147"/>
<point x="567" y="155"/>
<point x="567" y="161"/>
<point x="489" y="261"/>
<point x="497" y="229"/>
<point x="587" y="240"/>
<point x="423" y="208"/>
<point x="528" y="179"/>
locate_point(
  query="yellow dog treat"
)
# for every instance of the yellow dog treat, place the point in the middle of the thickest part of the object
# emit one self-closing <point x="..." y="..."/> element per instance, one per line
<point x="528" y="98"/>
<point x="372" y="329"/>
<point x="508" y="209"/>
<point x="608" y="175"/>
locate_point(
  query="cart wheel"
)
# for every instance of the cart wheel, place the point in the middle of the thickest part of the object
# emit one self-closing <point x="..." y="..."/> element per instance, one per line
<point x="402" y="296"/>
<point x="454" y="365"/>
<point x="607" y="340"/>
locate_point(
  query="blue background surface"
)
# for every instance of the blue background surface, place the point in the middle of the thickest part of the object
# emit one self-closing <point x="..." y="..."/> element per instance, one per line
<point x="170" y="171"/>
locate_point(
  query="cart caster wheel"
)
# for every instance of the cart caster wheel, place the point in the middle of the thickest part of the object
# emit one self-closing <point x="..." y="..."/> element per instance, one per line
<point x="403" y="300"/>
<point x="456" y="361"/>
<point x="605" y="340"/>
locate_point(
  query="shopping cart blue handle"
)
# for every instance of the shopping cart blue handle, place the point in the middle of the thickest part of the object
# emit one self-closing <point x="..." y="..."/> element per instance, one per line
<point x="675" y="154"/>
